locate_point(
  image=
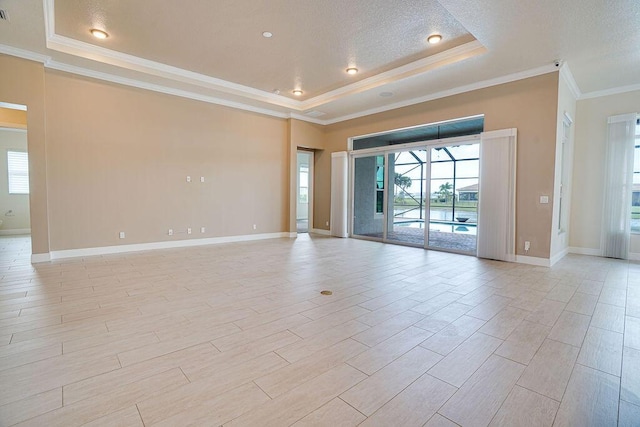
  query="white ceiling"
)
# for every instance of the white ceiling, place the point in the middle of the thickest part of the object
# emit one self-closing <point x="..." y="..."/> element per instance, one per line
<point x="214" y="50"/>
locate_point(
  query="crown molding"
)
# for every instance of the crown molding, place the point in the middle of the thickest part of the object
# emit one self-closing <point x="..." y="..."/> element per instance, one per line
<point x="449" y="92"/>
<point x="24" y="54"/>
<point x="612" y="91"/>
<point x="567" y="76"/>
<point x="450" y="56"/>
<point x="159" y="88"/>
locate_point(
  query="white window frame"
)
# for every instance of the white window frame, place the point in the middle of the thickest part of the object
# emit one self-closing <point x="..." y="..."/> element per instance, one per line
<point x="17" y="171"/>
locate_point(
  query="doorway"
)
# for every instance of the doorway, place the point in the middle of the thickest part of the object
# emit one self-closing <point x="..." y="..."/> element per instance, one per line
<point x="304" y="191"/>
<point x="418" y="194"/>
<point x="15" y="216"/>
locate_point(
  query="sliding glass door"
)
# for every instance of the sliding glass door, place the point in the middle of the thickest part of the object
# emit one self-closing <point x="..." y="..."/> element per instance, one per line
<point x="424" y="196"/>
<point x="453" y="213"/>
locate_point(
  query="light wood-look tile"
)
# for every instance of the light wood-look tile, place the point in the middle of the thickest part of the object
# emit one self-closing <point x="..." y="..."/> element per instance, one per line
<point x="414" y="405"/>
<point x="335" y="413"/>
<point x="301" y="401"/>
<point x="199" y="330"/>
<point x="550" y="369"/>
<point x="504" y="322"/>
<point x="387" y="351"/>
<point x="570" y="328"/>
<point x="129" y="417"/>
<point x="439" y="421"/>
<point x="630" y="380"/>
<point x="602" y="350"/>
<point x="582" y="303"/>
<point x="524" y="342"/>
<point x="295" y="374"/>
<point x="388" y="328"/>
<point x="628" y="414"/>
<point x="547" y="312"/>
<point x="591" y="399"/>
<point x="32" y="406"/>
<point x="608" y="317"/>
<point x="372" y="393"/>
<point x="462" y="362"/>
<point x="453" y="335"/>
<point x="524" y="408"/>
<point x="632" y="332"/>
<point x="478" y="400"/>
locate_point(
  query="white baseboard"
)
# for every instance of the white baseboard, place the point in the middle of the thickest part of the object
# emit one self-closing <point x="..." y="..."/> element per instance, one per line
<point x="320" y="231"/>
<point x="36" y="258"/>
<point x="532" y="260"/>
<point x="15" y="231"/>
<point x="557" y="257"/>
<point x="634" y="256"/>
<point x="106" y="250"/>
<point x="585" y="251"/>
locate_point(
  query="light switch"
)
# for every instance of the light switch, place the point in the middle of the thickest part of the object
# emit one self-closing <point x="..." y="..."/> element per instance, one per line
<point x="202" y="179"/>
<point x="188" y="179"/>
<point x="544" y="199"/>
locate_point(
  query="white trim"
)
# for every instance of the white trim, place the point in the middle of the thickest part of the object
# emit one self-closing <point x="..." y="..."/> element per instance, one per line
<point x="449" y="56"/>
<point x="15" y="231"/>
<point x="612" y="91"/>
<point x="24" y="54"/>
<point x="634" y="256"/>
<point x="36" y="258"/>
<point x="292" y="234"/>
<point x="557" y="257"/>
<point x="11" y="127"/>
<point x="105" y="250"/>
<point x="320" y="231"/>
<point x="584" y="251"/>
<point x="629" y="117"/>
<point x="305" y="118"/>
<point x="567" y="76"/>
<point x="449" y="92"/>
<point x="531" y="260"/>
<point x="13" y="106"/>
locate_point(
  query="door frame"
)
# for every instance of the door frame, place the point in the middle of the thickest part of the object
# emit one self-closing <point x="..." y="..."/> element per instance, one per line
<point x="309" y="189"/>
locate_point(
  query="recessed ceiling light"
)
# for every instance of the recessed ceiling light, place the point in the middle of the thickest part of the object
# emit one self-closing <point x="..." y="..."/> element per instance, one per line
<point x="386" y="94"/>
<point x="352" y="70"/>
<point x="99" y="34"/>
<point x="435" y="38"/>
<point x="267" y="34"/>
<point x="297" y="92"/>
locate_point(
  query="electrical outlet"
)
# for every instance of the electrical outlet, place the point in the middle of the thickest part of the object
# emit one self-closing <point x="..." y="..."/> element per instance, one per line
<point x="202" y="229"/>
<point x="171" y="232"/>
<point x="189" y="230"/>
<point x="527" y="245"/>
<point x="202" y="179"/>
<point x="122" y="234"/>
<point x="188" y="179"/>
<point x="326" y="223"/>
<point x="255" y="226"/>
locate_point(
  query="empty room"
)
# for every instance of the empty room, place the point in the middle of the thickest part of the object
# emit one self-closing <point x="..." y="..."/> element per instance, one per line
<point x="319" y="213"/>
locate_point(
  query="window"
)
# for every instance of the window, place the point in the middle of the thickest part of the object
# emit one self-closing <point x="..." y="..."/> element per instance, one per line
<point x="635" y="197"/>
<point x="379" y="184"/>
<point x="18" y="167"/>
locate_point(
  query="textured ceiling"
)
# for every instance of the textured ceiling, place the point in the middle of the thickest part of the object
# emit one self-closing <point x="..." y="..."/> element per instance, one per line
<point x="214" y="50"/>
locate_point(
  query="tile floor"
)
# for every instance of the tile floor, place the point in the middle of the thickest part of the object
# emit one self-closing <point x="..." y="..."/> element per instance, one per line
<point x="239" y="335"/>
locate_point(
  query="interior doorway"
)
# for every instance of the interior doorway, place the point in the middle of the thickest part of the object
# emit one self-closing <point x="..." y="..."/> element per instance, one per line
<point x="15" y="215"/>
<point x="304" y="191"/>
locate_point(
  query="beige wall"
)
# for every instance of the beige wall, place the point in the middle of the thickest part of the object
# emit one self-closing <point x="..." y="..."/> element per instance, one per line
<point x="118" y="159"/>
<point x="11" y="118"/>
<point x="307" y="136"/>
<point x="18" y="204"/>
<point x="588" y="171"/>
<point x="22" y="83"/>
<point x="560" y="235"/>
<point x="530" y="105"/>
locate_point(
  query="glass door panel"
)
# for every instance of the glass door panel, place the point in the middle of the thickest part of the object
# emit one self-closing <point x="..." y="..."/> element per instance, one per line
<point x="453" y="196"/>
<point x="368" y="196"/>
<point x="406" y="200"/>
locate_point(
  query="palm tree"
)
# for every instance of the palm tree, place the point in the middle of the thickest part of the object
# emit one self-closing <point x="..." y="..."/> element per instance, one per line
<point x="403" y="182"/>
<point x="445" y="191"/>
